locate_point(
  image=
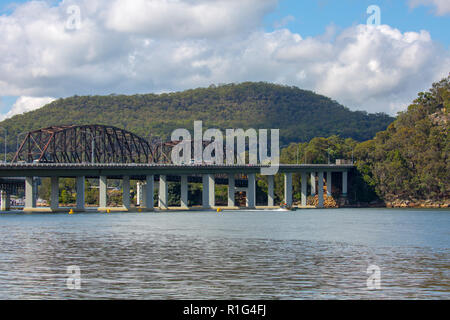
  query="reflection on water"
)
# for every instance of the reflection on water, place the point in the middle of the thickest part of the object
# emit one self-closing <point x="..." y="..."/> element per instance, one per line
<point x="318" y="254"/>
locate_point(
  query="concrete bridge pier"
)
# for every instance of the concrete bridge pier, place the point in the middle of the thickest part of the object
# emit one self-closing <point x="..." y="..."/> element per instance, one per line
<point x="126" y="203"/>
<point x="80" y="183"/>
<point x="320" y="187"/>
<point x="6" y="201"/>
<point x="30" y="194"/>
<point x="148" y="192"/>
<point x="163" y="193"/>
<point x="344" y="183"/>
<point x="140" y="186"/>
<point x="208" y="197"/>
<point x="103" y="186"/>
<point x="54" y="193"/>
<point x="231" y="190"/>
<point x="270" y="194"/>
<point x="251" y="193"/>
<point x="313" y="184"/>
<point x="288" y="189"/>
<point x="184" y="192"/>
<point x="304" y="186"/>
<point x="329" y="183"/>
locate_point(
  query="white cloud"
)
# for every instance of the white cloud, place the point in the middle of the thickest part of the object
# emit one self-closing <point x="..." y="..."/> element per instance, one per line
<point x="25" y="104"/>
<point x="442" y="6"/>
<point x="118" y="50"/>
<point x="186" y="18"/>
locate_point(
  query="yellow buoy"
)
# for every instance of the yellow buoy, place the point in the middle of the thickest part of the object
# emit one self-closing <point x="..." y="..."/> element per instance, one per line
<point x="71" y="211"/>
<point x="139" y="210"/>
<point x="219" y="210"/>
<point x="108" y="210"/>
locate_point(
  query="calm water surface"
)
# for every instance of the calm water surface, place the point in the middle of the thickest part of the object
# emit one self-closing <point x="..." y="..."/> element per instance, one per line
<point x="307" y="254"/>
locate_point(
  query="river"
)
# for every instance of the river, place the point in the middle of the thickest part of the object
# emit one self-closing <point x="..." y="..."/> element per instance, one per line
<point x="306" y="254"/>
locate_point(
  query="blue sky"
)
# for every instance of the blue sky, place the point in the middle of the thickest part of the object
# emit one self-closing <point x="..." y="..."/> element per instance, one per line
<point x="312" y="17"/>
<point x="124" y="47"/>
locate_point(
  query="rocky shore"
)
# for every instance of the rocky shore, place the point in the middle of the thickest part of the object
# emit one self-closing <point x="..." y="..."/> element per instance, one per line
<point x="418" y="204"/>
<point x="330" y="202"/>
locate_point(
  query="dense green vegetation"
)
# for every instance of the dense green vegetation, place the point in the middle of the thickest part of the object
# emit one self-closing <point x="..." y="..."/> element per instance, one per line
<point x="410" y="160"/>
<point x="301" y="115"/>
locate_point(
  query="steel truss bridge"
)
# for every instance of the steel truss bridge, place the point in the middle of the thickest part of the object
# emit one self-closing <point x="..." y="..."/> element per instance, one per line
<point x="90" y="144"/>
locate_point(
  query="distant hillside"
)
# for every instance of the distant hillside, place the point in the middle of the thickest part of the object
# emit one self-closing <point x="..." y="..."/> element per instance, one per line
<point x="300" y="115"/>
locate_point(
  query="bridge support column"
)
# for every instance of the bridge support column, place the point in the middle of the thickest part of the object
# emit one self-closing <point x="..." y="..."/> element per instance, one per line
<point x="163" y="193"/>
<point x="139" y="193"/>
<point x="30" y="194"/>
<point x="320" y="187"/>
<point x="148" y="198"/>
<point x="313" y="184"/>
<point x="270" y="187"/>
<point x="304" y="185"/>
<point x="103" y="186"/>
<point x="6" y="201"/>
<point x="184" y="191"/>
<point x="288" y="189"/>
<point x="126" y="192"/>
<point x="54" y="194"/>
<point x="231" y="190"/>
<point x="344" y="183"/>
<point x="80" y="193"/>
<point x="208" y="196"/>
<point x="329" y="183"/>
<point x="251" y="192"/>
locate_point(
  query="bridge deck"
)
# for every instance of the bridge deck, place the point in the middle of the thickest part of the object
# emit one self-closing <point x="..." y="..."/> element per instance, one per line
<point x="116" y="169"/>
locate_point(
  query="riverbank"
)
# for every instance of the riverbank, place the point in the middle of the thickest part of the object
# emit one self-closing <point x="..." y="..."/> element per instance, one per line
<point x="330" y="202"/>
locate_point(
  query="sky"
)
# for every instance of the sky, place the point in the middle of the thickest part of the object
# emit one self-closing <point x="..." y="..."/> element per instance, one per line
<point x="375" y="60"/>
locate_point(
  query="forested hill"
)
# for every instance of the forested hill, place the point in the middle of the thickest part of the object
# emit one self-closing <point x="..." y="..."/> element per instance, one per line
<point x="410" y="161"/>
<point x="301" y="115"/>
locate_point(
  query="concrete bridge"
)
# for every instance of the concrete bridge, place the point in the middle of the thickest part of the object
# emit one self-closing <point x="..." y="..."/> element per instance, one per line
<point x="146" y="174"/>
